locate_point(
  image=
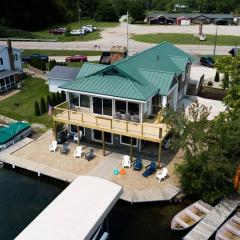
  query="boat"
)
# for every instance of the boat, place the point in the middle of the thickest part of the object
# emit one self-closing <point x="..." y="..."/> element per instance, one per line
<point x="191" y="215"/>
<point x="230" y="230"/>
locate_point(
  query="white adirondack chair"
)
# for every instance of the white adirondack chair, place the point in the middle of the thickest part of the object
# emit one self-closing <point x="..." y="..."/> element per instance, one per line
<point x="53" y="146"/>
<point x="78" y="152"/>
<point x="160" y="175"/>
<point x="126" y="161"/>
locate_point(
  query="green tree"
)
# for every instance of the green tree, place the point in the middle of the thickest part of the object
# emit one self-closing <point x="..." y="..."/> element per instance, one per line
<point x="43" y="105"/>
<point x="63" y="96"/>
<point x="52" y="63"/>
<point x="105" y="12"/>
<point x="58" y="97"/>
<point x="37" y="109"/>
<point x="49" y="101"/>
<point x="136" y="10"/>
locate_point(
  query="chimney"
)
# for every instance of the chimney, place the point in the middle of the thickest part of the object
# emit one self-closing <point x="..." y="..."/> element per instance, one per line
<point x="117" y="53"/>
<point x="10" y="54"/>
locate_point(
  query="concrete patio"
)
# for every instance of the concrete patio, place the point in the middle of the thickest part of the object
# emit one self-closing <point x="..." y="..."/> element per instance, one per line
<point x="136" y="187"/>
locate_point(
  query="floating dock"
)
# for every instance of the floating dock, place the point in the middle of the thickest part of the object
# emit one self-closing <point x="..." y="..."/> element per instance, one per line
<point x="211" y="222"/>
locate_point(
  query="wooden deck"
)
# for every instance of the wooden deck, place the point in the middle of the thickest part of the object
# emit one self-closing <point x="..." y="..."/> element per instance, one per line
<point x="149" y="130"/>
<point x="211" y="222"/>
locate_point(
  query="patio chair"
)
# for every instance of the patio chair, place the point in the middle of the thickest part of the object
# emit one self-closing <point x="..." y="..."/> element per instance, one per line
<point x="160" y="175"/>
<point x="89" y="155"/>
<point x="64" y="149"/>
<point x="135" y="118"/>
<point x="137" y="164"/>
<point x="78" y="152"/>
<point x="53" y="146"/>
<point x="117" y="115"/>
<point x="126" y="161"/>
<point x="127" y="117"/>
<point x="150" y="169"/>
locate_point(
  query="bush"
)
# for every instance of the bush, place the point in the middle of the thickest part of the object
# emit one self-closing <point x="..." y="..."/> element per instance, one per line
<point x="43" y="106"/>
<point x="210" y="83"/>
<point x="6" y="32"/>
<point x="37" y="109"/>
<point x="216" y="79"/>
<point x="38" y="63"/>
<point x="58" y="97"/>
<point x="52" y="63"/>
<point x="63" y="96"/>
<point x="54" y="100"/>
<point x="49" y="101"/>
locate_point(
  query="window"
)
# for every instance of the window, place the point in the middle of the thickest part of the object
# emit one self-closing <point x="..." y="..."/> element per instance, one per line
<point x="127" y="141"/>
<point x="16" y="57"/>
<point x="74" y="99"/>
<point x="73" y="129"/>
<point x="102" y="106"/>
<point x="120" y="106"/>
<point x="133" y="108"/>
<point x="84" y="101"/>
<point x="1" y="61"/>
<point x="97" y="136"/>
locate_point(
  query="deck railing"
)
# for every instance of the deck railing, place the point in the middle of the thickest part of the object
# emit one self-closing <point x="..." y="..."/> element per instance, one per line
<point x="147" y="131"/>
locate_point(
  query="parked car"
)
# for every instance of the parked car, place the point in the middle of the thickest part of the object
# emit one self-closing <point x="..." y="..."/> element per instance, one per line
<point x="26" y="59"/>
<point x="87" y="29"/>
<point x="207" y="61"/>
<point x="57" y="31"/>
<point x="39" y="56"/>
<point x="77" y="32"/>
<point x="77" y="58"/>
<point x="92" y="27"/>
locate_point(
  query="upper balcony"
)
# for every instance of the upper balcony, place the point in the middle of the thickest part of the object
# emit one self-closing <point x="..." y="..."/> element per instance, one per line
<point x="151" y="129"/>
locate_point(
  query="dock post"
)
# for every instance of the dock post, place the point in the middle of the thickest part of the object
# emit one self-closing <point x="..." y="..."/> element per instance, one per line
<point x="131" y="149"/>
<point x="103" y="140"/>
<point x="78" y="135"/>
<point x="159" y="154"/>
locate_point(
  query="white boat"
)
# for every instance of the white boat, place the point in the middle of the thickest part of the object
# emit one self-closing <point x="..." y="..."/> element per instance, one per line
<point x="191" y="215"/>
<point x="230" y="230"/>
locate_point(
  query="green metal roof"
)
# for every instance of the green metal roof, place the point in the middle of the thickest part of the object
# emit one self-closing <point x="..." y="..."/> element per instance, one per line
<point x="90" y="68"/>
<point x="134" y="77"/>
<point x="115" y="86"/>
<point x="12" y="130"/>
<point x="161" y="80"/>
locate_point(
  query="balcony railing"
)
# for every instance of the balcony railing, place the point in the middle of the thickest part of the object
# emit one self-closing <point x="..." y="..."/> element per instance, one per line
<point x="150" y="131"/>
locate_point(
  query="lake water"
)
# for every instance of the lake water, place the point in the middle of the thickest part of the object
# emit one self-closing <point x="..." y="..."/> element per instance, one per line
<point x="23" y="196"/>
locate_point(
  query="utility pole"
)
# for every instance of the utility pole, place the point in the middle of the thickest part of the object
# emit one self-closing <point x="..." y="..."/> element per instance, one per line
<point x="127" y="31"/>
<point x="215" y="43"/>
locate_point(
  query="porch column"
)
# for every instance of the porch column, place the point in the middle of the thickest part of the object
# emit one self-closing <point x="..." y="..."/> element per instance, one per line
<point x="159" y="154"/>
<point x="131" y="149"/>
<point x="103" y="141"/>
<point x="78" y="135"/>
<point x="54" y="130"/>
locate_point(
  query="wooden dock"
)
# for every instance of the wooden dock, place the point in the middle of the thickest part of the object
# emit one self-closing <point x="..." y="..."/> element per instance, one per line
<point x="211" y="222"/>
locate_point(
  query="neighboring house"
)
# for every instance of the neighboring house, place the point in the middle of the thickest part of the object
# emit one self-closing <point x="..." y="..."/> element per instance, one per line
<point x="195" y="18"/>
<point x="60" y="75"/>
<point x="123" y="101"/>
<point x="235" y="52"/>
<point x="10" y="67"/>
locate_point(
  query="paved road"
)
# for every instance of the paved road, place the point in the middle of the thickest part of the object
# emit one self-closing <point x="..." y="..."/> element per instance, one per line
<point x="117" y="36"/>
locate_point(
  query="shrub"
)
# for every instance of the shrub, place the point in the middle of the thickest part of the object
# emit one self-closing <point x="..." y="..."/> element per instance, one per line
<point x="38" y="63"/>
<point x="216" y="79"/>
<point x="210" y="83"/>
<point x="49" y="101"/>
<point x="54" y="100"/>
<point x="225" y="81"/>
<point x="52" y="63"/>
<point x="37" y="109"/>
<point x="58" y="96"/>
<point x="6" y="32"/>
<point x="63" y="96"/>
<point x="43" y="106"/>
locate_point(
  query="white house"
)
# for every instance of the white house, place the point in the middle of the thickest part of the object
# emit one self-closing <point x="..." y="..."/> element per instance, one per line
<point x="10" y="66"/>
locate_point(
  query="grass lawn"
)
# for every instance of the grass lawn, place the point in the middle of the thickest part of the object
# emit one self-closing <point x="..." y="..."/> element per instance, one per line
<point x="33" y="89"/>
<point x="28" y="52"/>
<point x="76" y="25"/>
<point x="184" y="39"/>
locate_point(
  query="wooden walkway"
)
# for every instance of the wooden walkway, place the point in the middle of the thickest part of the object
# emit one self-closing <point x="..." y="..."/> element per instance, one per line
<point x="210" y="223"/>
